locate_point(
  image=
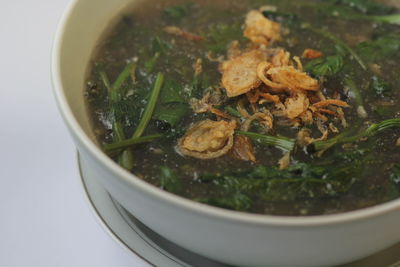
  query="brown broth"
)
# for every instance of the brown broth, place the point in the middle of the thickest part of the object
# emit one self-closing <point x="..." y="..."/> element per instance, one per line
<point x="132" y="37"/>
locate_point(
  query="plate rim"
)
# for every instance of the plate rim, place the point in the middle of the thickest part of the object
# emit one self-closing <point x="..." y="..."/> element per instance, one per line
<point x="99" y="216"/>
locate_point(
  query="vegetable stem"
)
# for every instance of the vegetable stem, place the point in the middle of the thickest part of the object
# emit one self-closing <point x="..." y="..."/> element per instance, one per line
<point x="369" y="132"/>
<point x="356" y="94"/>
<point x="130" y="142"/>
<point x="391" y="19"/>
<point x="151" y="64"/>
<point x="284" y="143"/>
<point x="232" y="111"/>
<point x="148" y="113"/>
<point x="104" y="78"/>
<point x="125" y="74"/>
<point x="125" y="158"/>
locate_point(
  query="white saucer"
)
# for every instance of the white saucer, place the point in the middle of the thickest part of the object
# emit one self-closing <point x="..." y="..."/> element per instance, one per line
<point x="125" y="229"/>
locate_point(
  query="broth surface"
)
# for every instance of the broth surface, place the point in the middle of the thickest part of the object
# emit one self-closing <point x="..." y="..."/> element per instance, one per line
<point x="364" y="172"/>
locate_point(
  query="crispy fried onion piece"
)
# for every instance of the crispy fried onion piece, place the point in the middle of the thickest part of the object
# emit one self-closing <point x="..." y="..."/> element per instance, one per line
<point x="311" y="54"/>
<point x="261" y="30"/>
<point x="296" y="105"/>
<point x="328" y="102"/>
<point x="324" y="131"/>
<point x="270" y="98"/>
<point x="243" y="149"/>
<point x="304" y="137"/>
<point x="198" y="67"/>
<point x="240" y="74"/>
<point x="208" y="139"/>
<point x="284" y="162"/>
<point x="253" y="96"/>
<point x="211" y="98"/>
<point x="201" y="105"/>
<point x="265" y="118"/>
<point x="287" y="77"/>
<point x="307" y="117"/>
<point x="262" y="69"/>
<point x="179" y="32"/>
<point x="281" y="58"/>
<point x="220" y="113"/>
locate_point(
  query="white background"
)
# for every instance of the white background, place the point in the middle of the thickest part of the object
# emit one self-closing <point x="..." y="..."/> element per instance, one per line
<point x="44" y="218"/>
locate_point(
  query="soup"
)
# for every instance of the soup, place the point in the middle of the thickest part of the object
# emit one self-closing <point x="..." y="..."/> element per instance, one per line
<point x="264" y="106"/>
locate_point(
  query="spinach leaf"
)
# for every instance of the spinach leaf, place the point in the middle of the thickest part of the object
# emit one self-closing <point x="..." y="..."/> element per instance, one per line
<point x="171" y="113"/>
<point x="169" y="181"/>
<point x="126" y="110"/>
<point x="380" y="87"/>
<point x="299" y="181"/>
<point x="382" y="48"/>
<point x="172" y="105"/>
<point x="158" y="48"/>
<point x="159" y="45"/>
<point x="325" y="67"/>
<point x="178" y="11"/>
<point x="172" y="92"/>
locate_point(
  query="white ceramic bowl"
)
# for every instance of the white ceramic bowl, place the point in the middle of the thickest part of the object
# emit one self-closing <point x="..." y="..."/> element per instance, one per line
<point x="227" y="236"/>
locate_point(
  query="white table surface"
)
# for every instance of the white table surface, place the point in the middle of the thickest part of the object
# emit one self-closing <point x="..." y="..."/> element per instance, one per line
<point x="44" y="218"/>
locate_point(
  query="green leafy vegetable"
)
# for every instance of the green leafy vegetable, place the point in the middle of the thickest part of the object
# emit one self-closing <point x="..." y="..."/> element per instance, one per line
<point x="343" y="138"/>
<point x="173" y="104"/>
<point x="391" y="19"/>
<point x="150" y="64"/>
<point x="116" y="90"/>
<point x="384" y="47"/>
<point x="380" y="87"/>
<point x="158" y="48"/>
<point x="354" y="92"/>
<point x="337" y="41"/>
<point x="280" y="142"/>
<point x="395" y="176"/>
<point x="169" y="181"/>
<point x="131" y="142"/>
<point x="171" y="113"/>
<point x="151" y="104"/>
<point x="358" y="10"/>
<point x="325" y="67"/>
<point x="125" y="110"/>
<point x="299" y="181"/>
<point x="159" y="45"/>
<point x="178" y="11"/>
<point x="232" y="111"/>
<point x="365" y="6"/>
<point x="172" y="92"/>
<point x="126" y="158"/>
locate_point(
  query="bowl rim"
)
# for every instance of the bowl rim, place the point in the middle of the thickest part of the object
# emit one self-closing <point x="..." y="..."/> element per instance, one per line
<point x="169" y="198"/>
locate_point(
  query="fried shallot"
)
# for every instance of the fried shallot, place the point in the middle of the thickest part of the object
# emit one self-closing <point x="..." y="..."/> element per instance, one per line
<point x="208" y="139"/>
<point x="261" y="30"/>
